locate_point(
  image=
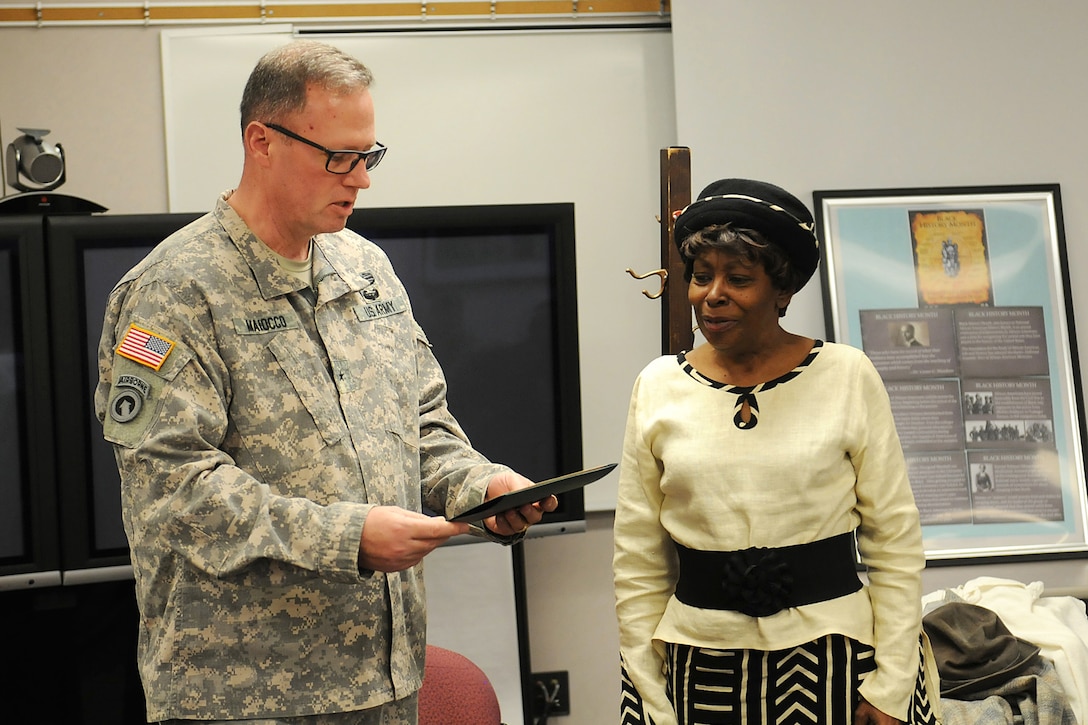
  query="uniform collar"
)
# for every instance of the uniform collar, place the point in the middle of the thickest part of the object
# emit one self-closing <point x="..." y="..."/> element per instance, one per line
<point x="333" y="275"/>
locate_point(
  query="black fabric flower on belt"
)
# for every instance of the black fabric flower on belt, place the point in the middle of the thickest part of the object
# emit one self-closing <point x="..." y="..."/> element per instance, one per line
<point x="756" y="582"/>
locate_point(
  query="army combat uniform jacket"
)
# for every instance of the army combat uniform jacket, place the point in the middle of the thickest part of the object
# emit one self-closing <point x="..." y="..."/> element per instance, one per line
<point x="254" y="428"/>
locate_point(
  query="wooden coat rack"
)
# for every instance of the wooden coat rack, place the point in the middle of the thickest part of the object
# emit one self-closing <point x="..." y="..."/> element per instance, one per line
<point x="676" y="331"/>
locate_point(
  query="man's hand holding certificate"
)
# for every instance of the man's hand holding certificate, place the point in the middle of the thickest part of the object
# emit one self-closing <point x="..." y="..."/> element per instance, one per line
<point x="531" y="494"/>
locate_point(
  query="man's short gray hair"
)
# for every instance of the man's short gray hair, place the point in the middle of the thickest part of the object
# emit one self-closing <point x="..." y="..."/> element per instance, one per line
<point x="278" y="83"/>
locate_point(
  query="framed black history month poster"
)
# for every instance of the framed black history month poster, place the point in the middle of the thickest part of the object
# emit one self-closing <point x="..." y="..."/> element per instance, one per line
<point x="960" y="297"/>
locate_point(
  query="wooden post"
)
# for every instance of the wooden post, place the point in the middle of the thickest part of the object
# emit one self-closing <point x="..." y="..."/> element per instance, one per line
<point x="676" y="332"/>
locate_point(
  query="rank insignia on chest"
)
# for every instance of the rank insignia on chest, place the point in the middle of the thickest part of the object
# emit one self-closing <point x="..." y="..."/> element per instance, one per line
<point x="369" y="291"/>
<point x="145" y="347"/>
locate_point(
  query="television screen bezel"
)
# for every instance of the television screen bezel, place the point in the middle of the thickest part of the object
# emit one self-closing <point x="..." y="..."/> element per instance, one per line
<point x="23" y="237"/>
<point x="68" y="237"/>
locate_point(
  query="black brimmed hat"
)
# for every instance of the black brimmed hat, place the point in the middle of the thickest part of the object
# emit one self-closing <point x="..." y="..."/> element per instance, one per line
<point x="768" y="209"/>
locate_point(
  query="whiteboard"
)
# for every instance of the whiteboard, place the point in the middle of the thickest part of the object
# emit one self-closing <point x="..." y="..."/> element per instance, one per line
<point x="204" y="72"/>
<point x="469" y="117"/>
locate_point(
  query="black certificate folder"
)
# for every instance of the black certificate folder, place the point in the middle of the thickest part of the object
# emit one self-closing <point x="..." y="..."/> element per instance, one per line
<point x="534" y="493"/>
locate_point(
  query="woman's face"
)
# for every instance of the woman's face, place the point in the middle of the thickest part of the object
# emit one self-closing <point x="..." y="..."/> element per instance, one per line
<point x="735" y="303"/>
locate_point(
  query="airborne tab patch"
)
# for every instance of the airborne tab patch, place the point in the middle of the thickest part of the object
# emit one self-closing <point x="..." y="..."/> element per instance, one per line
<point x="145" y="347"/>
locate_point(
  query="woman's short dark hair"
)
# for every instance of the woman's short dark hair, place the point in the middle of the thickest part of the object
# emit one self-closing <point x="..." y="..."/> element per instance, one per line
<point x="747" y="244"/>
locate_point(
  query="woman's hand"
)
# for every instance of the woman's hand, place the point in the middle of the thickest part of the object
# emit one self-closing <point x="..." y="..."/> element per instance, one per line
<point x="866" y="714"/>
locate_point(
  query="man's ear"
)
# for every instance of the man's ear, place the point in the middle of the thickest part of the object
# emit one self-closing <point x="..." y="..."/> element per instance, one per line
<point x="255" y="139"/>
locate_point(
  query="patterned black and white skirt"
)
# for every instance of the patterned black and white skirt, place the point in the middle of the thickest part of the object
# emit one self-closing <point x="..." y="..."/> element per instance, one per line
<point x="813" y="683"/>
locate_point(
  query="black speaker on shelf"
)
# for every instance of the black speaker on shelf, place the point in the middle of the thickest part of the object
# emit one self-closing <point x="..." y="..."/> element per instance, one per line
<point x="47" y="202"/>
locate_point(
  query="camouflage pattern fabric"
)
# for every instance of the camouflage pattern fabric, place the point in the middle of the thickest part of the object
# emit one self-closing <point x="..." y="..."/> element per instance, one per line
<point x="253" y="432"/>
<point x="400" y="712"/>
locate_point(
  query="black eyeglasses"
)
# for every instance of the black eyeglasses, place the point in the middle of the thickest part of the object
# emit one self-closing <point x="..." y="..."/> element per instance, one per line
<point x="339" y="161"/>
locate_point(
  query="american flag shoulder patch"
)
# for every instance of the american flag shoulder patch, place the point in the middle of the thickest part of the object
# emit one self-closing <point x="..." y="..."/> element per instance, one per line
<point x="145" y="347"/>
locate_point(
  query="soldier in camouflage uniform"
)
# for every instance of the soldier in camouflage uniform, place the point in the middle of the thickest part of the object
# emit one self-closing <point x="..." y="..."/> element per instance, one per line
<point x="279" y="422"/>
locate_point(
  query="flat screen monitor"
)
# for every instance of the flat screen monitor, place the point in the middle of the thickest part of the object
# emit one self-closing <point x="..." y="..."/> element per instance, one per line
<point x="493" y="287"/>
<point x="28" y="527"/>
<point x="87" y="256"/>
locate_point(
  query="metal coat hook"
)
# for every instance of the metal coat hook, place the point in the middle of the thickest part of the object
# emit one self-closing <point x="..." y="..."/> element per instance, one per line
<point x="662" y="273"/>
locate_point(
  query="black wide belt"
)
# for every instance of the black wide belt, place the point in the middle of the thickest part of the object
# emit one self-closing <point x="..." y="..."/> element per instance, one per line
<point x="760" y="582"/>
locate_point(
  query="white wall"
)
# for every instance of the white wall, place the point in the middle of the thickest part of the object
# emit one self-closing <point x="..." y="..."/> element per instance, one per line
<point x="864" y="95"/>
<point x="99" y="90"/>
<point x="850" y="94"/>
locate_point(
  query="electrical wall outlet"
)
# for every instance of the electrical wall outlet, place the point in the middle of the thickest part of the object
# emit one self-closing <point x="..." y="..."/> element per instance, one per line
<point x="551" y="694"/>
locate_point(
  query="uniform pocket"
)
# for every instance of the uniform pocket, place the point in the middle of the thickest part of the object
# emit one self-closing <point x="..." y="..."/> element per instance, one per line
<point x="311" y="382"/>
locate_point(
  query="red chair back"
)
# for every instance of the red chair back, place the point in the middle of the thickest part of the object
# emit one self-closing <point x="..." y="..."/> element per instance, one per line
<point x="456" y="692"/>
